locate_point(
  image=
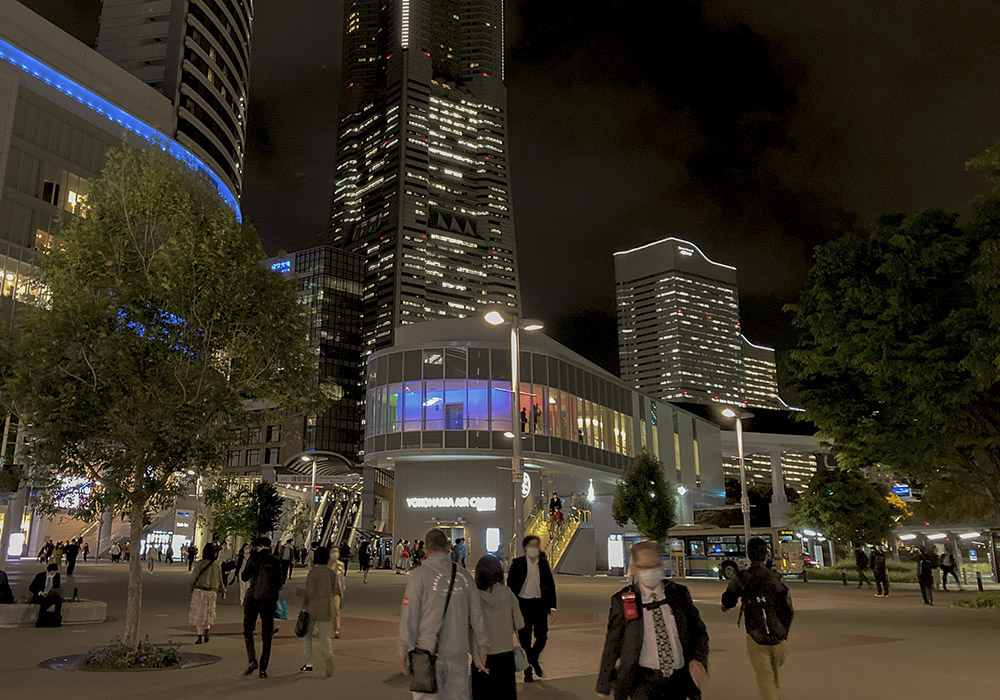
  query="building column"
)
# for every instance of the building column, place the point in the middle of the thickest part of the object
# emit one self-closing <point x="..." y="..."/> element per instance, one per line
<point x="104" y="523"/>
<point x="12" y="520"/>
<point x="779" y="502"/>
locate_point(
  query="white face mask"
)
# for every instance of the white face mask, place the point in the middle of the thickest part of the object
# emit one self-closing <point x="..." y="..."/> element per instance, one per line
<point x="532" y="552"/>
<point x="650" y="578"/>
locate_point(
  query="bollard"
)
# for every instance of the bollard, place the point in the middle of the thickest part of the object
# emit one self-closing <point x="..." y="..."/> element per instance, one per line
<point x="965" y="579"/>
<point x="843" y="577"/>
<point x="979" y="581"/>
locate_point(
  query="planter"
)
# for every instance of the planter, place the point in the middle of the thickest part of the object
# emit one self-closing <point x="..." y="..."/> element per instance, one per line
<point x="74" y="662"/>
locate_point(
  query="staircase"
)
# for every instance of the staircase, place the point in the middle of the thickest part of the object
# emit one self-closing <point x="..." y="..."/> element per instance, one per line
<point x="556" y="544"/>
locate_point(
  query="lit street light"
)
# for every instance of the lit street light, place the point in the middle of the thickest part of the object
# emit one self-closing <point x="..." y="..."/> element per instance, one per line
<point x="500" y="317"/>
<point x="740" y="415"/>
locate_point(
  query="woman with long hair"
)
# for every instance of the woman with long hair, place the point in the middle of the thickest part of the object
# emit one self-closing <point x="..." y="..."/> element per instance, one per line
<point x="206" y="585"/>
<point x="322" y="588"/>
<point x="503" y="619"/>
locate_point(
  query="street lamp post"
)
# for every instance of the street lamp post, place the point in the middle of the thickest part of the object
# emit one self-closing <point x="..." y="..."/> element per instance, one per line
<point x="498" y="317"/>
<point x="740" y="415"/>
<point x="312" y="499"/>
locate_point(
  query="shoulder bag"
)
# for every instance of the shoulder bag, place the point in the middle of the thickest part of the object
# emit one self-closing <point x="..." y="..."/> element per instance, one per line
<point x="423" y="663"/>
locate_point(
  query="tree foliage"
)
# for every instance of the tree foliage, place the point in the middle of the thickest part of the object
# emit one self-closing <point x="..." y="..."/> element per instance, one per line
<point x="843" y="505"/>
<point x="898" y="358"/>
<point x="160" y="329"/>
<point x="644" y="497"/>
<point x="243" y="510"/>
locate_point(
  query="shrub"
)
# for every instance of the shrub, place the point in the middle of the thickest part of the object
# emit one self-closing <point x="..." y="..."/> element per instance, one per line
<point x="982" y="601"/>
<point x="121" y="656"/>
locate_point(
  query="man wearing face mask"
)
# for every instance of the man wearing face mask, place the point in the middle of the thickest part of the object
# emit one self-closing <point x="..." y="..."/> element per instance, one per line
<point x="656" y="647"/>
<point x="531" y="580"/>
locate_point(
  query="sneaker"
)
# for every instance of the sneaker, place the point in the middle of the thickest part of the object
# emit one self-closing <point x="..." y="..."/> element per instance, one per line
<point x="251" y="668"/>
<point x="198" y="641"/>
<point x="538" y="669"/>
<point x="206" y="636"/>
<point x="263" y="673"/>
<point x="306" y="668"/>
<point x="336" y="635"/>
<point x="528" y="678"/>
<point x="329" y="667"/>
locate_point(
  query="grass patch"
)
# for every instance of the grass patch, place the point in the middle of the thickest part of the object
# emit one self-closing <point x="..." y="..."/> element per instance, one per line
<point x="119" y="656"/>
<point x="982" y="601"/>
<point x="903" y="572"/>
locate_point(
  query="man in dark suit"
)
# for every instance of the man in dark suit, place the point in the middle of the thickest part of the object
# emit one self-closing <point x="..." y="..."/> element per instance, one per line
<point x="656" y="646"/>
<point x="45" y="591"/>
<point x="531" y="580"/>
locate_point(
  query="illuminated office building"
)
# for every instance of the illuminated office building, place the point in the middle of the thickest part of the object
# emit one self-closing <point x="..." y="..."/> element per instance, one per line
<point x="760" y="376"/>
<point x="679" y="324"/>
<point x="197" y="53"/>
<point x="422" y="188"/>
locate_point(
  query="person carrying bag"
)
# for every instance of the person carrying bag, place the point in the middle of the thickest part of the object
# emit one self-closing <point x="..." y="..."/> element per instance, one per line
<point x="423" y="663"/>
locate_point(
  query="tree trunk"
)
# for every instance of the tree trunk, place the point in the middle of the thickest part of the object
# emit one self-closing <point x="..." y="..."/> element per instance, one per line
<point x="134" y="605"/>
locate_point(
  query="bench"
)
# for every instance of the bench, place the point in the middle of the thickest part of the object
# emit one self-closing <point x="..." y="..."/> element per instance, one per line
<point x="80" y="612"/>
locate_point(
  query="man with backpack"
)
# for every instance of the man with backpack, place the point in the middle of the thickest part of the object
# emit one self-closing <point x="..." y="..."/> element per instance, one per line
<point x="766" y="613"/>
<point x="861" y="561"/>
<point x="925" y="575"/>
<point x="263" y="573"/>
<point x="881" y="575"/>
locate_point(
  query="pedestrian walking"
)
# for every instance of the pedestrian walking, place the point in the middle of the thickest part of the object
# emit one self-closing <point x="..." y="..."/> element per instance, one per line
<point x="502" y="616"/>
<point x="419" y="554"/>
<point x="241" y="560"/>
<point x="947" y="564"/>
<point x="861" y="563"/>
<point x="57" y="555"/>
<point x="151" y="552"/>
<point x="766" y="610"/>
<point x="116" y="553"/>
<point x="345" y="555"/>
<point x="926" y="564"/>
<point x="206" y="587"/>
<point x="399" y="558"/>
<point x="877" y="561"/>
<point x="463" y="551"/>
<point x="318" y="604"/>
<point x="339" y="568"/>
<point x="127" y="551"/>
<point x="365" y="560"/>
<point x="170" y="554"/>
<point x="72" y="551"/>
<point x="656" y="646"/>
<point x="441" y="616"/>
<point x="531" y="581"/>
<point x="456" y="551"/>
<point x="263" y="573"/>
<point x="554" y="502"/>
<point x="46" y="551"/>
<point x="86" y="552"/>
<point x="192" y="554"/>
<point x="287" y="560"/>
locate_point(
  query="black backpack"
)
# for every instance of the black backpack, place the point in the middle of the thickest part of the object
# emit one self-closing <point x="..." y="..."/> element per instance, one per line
<point x="765" y="609"/>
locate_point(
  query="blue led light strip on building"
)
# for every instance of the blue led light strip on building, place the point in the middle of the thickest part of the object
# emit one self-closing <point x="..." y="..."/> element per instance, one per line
<point x="98" y="104"/>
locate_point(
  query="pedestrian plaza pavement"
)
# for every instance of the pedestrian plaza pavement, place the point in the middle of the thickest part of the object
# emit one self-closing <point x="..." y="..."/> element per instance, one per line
<point x="845" y="643"/>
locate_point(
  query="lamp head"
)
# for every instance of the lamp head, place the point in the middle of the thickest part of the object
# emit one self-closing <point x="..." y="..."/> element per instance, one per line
<point x="681" y="490"/>
<point x="729" y="413"/>
<point x="508" y="434"/>
<point x="532" y="324"/>
<point x="494" y="318"/>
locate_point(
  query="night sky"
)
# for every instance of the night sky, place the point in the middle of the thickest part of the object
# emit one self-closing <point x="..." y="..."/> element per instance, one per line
<point x="757" y="130"/>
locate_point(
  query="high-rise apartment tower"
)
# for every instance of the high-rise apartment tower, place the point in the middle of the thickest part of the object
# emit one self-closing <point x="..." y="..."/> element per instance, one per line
<point x="197" y="53"/>
<point x="422" y="187"/>
<point x="679" y="324"/>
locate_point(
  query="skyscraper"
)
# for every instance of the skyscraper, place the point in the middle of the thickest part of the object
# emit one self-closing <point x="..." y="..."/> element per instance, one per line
<point x="422" y="187"/>
<point x="679" y="323"/>
<point x="197" y="53"/>
<point x="760" y="376"/>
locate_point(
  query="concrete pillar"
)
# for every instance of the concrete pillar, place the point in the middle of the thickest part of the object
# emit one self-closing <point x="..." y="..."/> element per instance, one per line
<point x="777" y="478"/>
<point x="12" y="520"/>
<point x="104" y="523"/>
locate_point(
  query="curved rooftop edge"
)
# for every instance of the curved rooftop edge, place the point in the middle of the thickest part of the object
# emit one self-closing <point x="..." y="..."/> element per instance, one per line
<point x="675" y="240"/>
<point x="91" y="100"/>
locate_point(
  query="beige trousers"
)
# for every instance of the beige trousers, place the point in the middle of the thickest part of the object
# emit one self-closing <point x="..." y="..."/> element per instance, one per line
<point x="336" y="613"/>
<point x="766" y="660"/>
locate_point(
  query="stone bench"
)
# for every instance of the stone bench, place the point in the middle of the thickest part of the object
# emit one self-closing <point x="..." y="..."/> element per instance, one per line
<point x="81" y="612"/>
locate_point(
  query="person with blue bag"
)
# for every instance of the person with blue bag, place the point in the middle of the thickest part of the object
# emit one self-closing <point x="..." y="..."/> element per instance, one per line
<point x="263" y="573"/>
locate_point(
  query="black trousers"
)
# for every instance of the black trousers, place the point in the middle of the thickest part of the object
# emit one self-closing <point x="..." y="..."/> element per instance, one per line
<point x="944" y="577"/>
<point x="862" y="579"/>
<point x="252" y="609"/>
<point x="500" y="683"/>
<point x="47" y="601"/>
<point x="882" y="583"/>
<point x="650" y="685"/>
<point x="536" y="621"/>
<point x="71" y="566"/>
<point x="927" y="589"/>
<point x="286" y="569"/>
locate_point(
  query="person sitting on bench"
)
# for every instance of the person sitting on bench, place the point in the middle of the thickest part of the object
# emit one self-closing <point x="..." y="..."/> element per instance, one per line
<point x="45" y="591"/>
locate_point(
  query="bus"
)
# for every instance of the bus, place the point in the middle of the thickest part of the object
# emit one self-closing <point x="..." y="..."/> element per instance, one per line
<point x="717" y="551"/>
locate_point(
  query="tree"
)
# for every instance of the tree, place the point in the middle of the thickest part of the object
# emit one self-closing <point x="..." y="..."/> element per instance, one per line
<point x="760" y="496"/>
<point x="946" y="503"/>
<point x="243" y="510"/>
<point x="898" y="357"/>
<point x="843" y="505"/>
<point x="644" y="497"/>
<point x="161" y="329"/>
